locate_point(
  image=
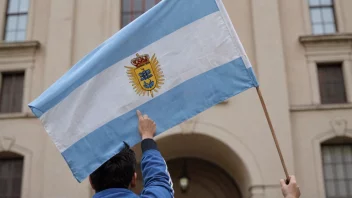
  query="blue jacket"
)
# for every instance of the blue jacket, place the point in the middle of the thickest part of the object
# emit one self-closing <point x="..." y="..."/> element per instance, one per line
<point x="156" y="178"/>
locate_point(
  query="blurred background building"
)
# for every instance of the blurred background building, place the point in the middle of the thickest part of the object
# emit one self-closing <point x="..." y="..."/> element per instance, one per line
<point x="301" y="51"/>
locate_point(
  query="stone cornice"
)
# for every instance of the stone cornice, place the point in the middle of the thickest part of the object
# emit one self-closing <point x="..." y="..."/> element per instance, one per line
<point x="329" y="38"/>
<point x="18" y="51"/>
<point x="19" y="45"/>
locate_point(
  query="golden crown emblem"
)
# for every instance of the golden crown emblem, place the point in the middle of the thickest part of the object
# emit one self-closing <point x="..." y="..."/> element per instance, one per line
<point x="139" y="61"/>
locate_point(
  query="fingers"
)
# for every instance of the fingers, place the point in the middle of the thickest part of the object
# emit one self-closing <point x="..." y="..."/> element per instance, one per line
<point x="143" y="117"/>
<point x="299" y="192"/>
<point x="292" y="179"/>
<point x="282" y="182"/>
<point x="139" y="114"/>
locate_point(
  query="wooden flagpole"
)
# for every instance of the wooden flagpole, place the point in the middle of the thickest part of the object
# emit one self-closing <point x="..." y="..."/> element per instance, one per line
<point x="273" y="134"/>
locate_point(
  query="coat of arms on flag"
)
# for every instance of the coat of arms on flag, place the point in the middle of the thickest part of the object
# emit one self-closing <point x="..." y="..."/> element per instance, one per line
<point x="146" y="75"/>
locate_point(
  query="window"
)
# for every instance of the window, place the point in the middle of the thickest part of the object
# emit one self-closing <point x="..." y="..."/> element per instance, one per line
<point x="11" y="92"/>
<point x="131" y="9"/>
<point x="16" y="20"/>
<point x="331" y="83"/>
<point x="337" y="167"/>
<point x="322" y="16"/>
<point x="11" y="167"/>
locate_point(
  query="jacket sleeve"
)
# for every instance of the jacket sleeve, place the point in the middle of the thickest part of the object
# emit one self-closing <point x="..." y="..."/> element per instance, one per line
<point x="156" y="178"/>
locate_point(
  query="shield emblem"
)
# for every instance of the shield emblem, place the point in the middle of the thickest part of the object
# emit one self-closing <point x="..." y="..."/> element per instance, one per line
<point x="146" y="77"/>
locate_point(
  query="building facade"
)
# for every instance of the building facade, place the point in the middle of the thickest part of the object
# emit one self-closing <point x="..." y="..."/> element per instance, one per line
<point x="301" y="52"/>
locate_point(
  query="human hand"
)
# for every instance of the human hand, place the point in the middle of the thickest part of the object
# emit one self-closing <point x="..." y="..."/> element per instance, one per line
<point x="146" y="126"/>
<point x="290" y="190"/>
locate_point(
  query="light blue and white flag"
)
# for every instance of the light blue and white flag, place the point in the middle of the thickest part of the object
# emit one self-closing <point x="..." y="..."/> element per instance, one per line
<point x="175" y="61"/>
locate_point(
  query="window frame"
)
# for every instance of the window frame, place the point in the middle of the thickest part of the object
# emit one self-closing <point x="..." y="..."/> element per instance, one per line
<point x="11" y="156"/>
<point x="7" y="14"/>
<point x="27" y="162"/>
<point x="333" y="7"/>
<point x="331" y="63"/>
<point x="316" y="56"/>
<point x="27" y="68"/>
<point x="24" y="77"/>
<point x="317" y="140"/>
<point x="336" y="141"/>
<point x="132" y="12"/>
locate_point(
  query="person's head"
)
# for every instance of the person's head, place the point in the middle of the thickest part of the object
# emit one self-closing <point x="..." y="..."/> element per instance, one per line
<point x="117" y="172"/>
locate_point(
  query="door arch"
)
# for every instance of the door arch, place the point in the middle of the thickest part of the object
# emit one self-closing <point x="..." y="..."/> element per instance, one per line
<point x="206" y="180"/>
<point x="229" y="156"/>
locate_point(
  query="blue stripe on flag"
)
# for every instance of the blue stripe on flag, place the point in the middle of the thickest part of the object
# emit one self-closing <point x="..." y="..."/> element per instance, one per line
<point x="192" y="96"/>
<point x="154" y="25"/>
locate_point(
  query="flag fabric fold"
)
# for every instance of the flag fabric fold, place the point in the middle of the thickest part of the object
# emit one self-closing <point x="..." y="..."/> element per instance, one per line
<point x="175" y="61"/>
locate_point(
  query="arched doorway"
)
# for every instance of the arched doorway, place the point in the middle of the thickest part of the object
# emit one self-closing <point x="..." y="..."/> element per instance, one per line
<point x="206" y="180"/>
<point x="210" y="154"/>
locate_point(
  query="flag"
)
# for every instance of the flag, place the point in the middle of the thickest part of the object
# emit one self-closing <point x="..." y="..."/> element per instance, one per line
<point x="175" y="61"/>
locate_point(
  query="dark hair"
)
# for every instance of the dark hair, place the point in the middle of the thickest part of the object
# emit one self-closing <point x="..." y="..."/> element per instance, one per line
<point x="117" y="172"/>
